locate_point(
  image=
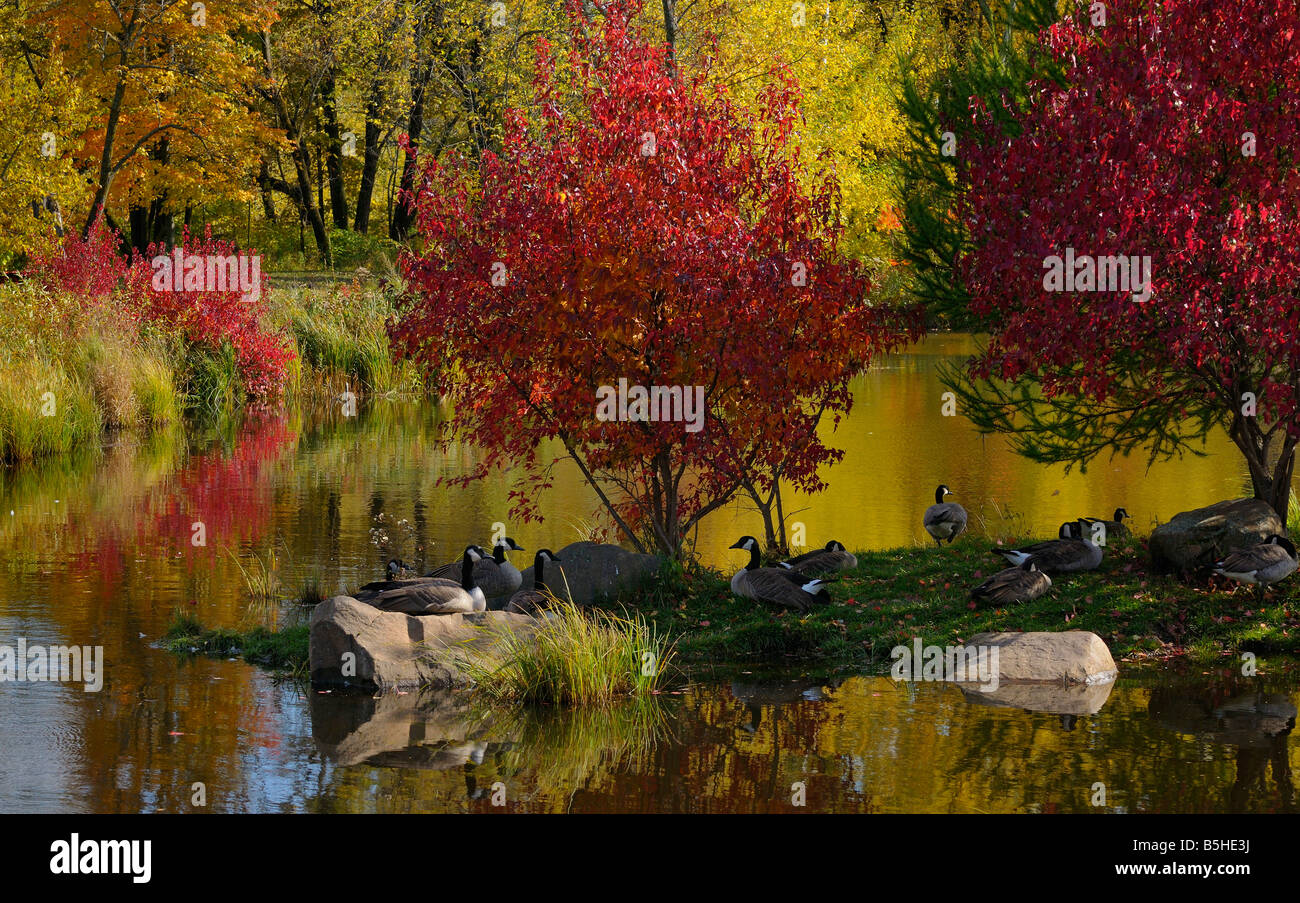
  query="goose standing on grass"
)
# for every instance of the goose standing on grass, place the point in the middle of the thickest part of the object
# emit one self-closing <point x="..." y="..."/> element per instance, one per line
<point x="822" y="561"/>
<point x="429" y="595"/>
<point x="1013" y="585"/>
<point x="776" y="586"/>
<point x="1262" y="565"/>
<point x="944" y="520"/>
<point x="1066" y="555"/>
<point x="533" y="601"/>
<point x="1115" y="529"/>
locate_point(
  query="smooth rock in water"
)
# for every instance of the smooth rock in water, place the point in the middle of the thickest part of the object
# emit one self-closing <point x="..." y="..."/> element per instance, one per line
<point x="1067" y="656"/>
<point x="588" y="570"/>
<point x="1195" y="540"/>
<point x="391" y="650"/>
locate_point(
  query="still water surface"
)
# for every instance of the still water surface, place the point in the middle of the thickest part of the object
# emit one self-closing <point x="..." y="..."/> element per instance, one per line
<point x="98" y="551"/>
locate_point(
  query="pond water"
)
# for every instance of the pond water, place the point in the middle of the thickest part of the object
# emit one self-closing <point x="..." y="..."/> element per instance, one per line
<point x="97" y="550"/>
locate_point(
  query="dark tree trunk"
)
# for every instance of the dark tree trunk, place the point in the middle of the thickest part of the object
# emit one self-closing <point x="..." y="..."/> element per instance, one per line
<point x="1270" y="476"/>
<point x="421" y="72"/>
<point x="301" y="162"/>
<point x="334" y="153"/>
<point x="369" y="169"/>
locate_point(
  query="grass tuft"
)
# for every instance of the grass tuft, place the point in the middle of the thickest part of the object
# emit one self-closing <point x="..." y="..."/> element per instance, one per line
<point x="575" y="657"/>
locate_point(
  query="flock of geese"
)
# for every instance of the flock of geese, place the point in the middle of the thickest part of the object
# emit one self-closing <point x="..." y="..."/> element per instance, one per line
<point x="800" y="582"/>
<point x="463" y="586"/>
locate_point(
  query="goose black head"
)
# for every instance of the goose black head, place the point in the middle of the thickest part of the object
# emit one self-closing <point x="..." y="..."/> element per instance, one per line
<point x="395" y="567"/>
<point x="940" y="493"/>
<point x="1029" y="567"/>
<point x="547" y="555"/>
<point x="1071" y="529"/>
<point x="1279" y="540"/>
<point x="835" y="546"/>
<point x="1120" y="514"/>
<point x="745" y="542"/>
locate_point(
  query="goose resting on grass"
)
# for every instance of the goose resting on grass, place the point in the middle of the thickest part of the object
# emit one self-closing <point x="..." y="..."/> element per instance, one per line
<point x="776" y="586"/>
<point x="1066" y="555"/>
<point x="1262" y="565"/>
<point x="944" y="520"/>
<point x="822" y="561"/>
<point x="1115" y="529"/>
<point x="1013" y="585"/>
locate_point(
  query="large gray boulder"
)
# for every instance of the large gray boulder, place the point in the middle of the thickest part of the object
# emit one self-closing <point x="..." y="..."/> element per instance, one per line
<point x="1194" y="540"/>
<point x="1067" y="656"/>
<point x="588" y="570"/>
<point x="357" y="645"/>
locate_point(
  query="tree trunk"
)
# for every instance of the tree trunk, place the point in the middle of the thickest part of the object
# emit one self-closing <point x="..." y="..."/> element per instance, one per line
<point x="369" y="170"/>
<point x="106" y="157"/>
<point x="334" y="153"/>
<point x="400" y="227"/>
<point x="1270" y="479"/>
<point x="301" y="162"/>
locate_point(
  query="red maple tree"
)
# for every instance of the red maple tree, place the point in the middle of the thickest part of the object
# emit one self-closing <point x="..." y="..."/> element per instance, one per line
<point x="1174" y="135"/>
<point x="637" y="225"/>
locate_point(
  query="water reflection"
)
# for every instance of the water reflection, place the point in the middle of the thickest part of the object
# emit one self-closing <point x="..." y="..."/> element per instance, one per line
<point x="99" y="548"/>
<point x="869" y="745"/>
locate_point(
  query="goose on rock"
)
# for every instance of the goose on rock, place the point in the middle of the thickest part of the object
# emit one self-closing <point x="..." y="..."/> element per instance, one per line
<point x="944" y="520"/>
<point x="1013" y="585"/>
<point x="1261" y="565"/>
<point x="494" y="575"/>
<point x="534" y="601"/>
<point x="429" y="595"/>
<point x="776" y="586"/>
<point x="1066" y="555"/>
<point x="822" y="561"/>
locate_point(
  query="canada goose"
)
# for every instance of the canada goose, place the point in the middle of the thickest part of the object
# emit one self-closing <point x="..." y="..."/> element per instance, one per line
<point x="532" y="601"/>
<point x="493" y="574"/>
<point x="1115" y="529"/>
<point x="429" y="595"/>
<point x="398" y="569"/>
<point x="776" y="586"/>
<point x="1059" y="556"/>
<point x="1017" y="584"/>
<point x="1263" y="564"/>
<point x="513" y="578"/>
<point x="944" y="520"/>
<point x="822" y="561"/>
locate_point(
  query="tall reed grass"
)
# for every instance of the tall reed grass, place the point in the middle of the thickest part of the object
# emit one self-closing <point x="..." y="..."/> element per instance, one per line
<point x="574" y="657"/>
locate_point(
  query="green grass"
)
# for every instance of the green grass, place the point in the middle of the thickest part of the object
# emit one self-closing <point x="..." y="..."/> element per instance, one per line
<point x="895" y="595"/>
<point x="342" y="336"/>
<point x="576" y="657"/>
<point x="279" y="650"/>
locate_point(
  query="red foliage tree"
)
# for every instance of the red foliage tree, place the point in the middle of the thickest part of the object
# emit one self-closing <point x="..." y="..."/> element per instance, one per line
<point x="1175" y="135"/>
<point x="641" y="227"/>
